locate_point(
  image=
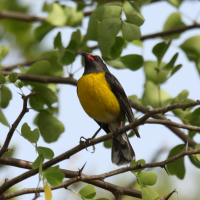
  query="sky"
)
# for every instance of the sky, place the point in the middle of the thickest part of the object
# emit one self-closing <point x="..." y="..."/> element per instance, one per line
<point x="77" y="123"/>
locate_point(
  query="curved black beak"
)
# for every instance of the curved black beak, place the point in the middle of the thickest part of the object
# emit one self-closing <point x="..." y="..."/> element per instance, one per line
<point x="84" y="54"/>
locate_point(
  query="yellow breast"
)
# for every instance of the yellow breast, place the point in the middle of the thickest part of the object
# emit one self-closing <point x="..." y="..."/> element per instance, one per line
<point x="97" y="99"/>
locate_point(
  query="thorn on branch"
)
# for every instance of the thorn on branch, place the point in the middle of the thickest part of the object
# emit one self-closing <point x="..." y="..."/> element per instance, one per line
<point x="169" y="195"/>
<point x="81" y="170"/>
<point x="165" y="169"/>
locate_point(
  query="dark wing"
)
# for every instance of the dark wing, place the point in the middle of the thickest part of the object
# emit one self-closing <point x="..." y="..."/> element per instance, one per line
<point x="118" y="91"/>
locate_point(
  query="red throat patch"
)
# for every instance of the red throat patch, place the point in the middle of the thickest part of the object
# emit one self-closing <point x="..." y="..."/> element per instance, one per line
<point x="90" y="57"/>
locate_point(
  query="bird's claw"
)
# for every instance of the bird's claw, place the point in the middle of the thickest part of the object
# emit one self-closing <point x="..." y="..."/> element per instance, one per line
<point x="86" y="143"/>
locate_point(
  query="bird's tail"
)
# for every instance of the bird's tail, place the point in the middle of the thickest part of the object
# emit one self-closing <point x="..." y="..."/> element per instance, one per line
<point x="122" y="151"/>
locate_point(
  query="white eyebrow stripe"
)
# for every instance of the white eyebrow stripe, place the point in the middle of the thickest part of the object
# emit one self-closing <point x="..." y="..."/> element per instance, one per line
<point x="93" y="54"/>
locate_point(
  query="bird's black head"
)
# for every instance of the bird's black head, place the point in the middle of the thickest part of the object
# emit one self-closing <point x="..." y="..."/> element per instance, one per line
<point x="93" y="63"/>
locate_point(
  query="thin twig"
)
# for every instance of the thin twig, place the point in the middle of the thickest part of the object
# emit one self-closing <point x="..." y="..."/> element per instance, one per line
<point x="15" y="124"/>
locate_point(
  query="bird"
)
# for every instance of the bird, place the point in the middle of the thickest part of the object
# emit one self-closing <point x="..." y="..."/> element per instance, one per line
<point x="104" y="99"/>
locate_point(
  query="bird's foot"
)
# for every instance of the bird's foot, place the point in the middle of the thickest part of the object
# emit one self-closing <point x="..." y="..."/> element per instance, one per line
<point x="86" y="143"/>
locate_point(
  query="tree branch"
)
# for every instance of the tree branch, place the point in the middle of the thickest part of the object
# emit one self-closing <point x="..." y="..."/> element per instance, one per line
<point x="43" y="79"/>
<point x="169" y="122"/>
<point x="15" y="124"/>
<point x="177" y="131"/>
<point x="118" y="192"/>
<point x="4" y="14"/>
<point x="80" y="147"/>
<point x="26" y="63"/>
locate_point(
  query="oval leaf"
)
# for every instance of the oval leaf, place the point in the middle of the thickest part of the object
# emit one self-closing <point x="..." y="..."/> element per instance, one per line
<point x="46" y="152"/>
<point x="133" y="14"/>
<point x="130" y="32"/>
<point x="109" y="27"/>
<point x="87" y="192"/>
<point x="13" y="77"/>
<point x="146" y="178"/>
<point x="54" y="176"/>
<point x="149" y="194"/>
<point x="50" y="127"/>
<point x="109" y="10"/>
<point x="3" y="119"/>
<point x="177" y="167"/>
<point x="6" y="96"/>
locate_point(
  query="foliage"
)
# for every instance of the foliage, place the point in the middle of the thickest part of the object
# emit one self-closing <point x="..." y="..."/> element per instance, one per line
<point x="113" y="26"/>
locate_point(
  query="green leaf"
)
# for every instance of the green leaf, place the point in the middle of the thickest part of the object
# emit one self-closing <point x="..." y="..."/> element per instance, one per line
<point x="143" y="1"/>
<point x="137" y="43"/>
<point x="57" y="41"/>
<point x="46" y="152"/>
<point x="3" y="119"/>
<point x="133" y="14"/>
<point x="110" y="10"/>
<point x="132" y="61"/>
<point x="107" y="144"/>
<point x="194" y="161"/>
<point x="109" y="27"/>
<point x="130" y="32"/>
<point x="152" y="74"/>
<point x="40" y="68"/>
<point x="149" y="194"/>
<point x="87" y="192"/>
<point x="193" y="118"/>
<point x="66" y="56"/>
<point x="2" y="79"/>
<point x="3" y="52"/>
<point x="117" y="48"/>
<point x="141" y="161"/>
<point x="54" y="176"/>
<point x="13" y="77"/>
<point x="175" y="3"/>
<point x="160" y="49"/>
<point x="192" y="50"/>
<point x="74" y="17"/>
<point x="180" y="97"/>
<point x="146" y="178"/>
<point x="57" y="16"/>
<point x="173" y="21"/>
<point x="151" y="95"/>
<point x="105" y="44"/>
<point x="177" y="167"/>
<point x="175" y="69"/>
<point x="6" y="96"/>
<point x="197" y="155"/>
<point x="169" y="66"/>
<point x="19" y="84"/>
<point x="50" y="127"/>
<point x="42" y="30"/>
<point x="92" y="31"/>
<point x="76" y="35"/>
<point x="44" y="96"/>
<point x="38" y="162"/>
<point x="32" y="136"/>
